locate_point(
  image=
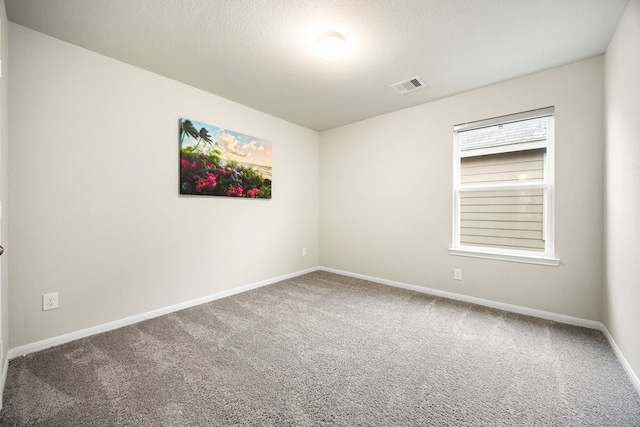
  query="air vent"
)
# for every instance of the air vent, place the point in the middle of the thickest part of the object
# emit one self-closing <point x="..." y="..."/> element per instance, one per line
<point x="409" y="85"/>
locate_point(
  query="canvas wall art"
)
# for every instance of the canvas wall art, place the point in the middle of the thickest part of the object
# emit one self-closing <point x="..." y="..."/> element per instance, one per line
<point x="220" y="162"/>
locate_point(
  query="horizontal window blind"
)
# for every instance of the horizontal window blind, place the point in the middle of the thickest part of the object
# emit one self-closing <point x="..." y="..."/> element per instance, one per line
<point x="509" y="219"/>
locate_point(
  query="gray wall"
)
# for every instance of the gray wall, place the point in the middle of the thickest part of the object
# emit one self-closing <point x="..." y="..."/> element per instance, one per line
<point x="386" y="194"/>
<point x="622" y="84"/>
<point x="95" y="209"/>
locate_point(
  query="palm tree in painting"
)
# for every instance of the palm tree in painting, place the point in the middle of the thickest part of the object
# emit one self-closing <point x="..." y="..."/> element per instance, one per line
<point x="204" y="137"/>
<point x="187" y="128"/>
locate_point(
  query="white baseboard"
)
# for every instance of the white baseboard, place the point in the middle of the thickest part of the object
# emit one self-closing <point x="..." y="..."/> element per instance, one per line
<point x="5" y="369"/>
<point x="591" y="324"/>
<point x="623" y="361"/>
<point x="62" y="339"/>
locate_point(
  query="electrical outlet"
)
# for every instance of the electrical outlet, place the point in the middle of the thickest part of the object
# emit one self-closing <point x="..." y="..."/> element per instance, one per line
<point x="304" y="251"/>
<point x="49" y="301"/>
<point x="457" y="274"/>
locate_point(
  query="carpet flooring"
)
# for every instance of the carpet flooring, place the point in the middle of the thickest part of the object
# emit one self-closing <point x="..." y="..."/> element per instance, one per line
<point x="327" y="350"/>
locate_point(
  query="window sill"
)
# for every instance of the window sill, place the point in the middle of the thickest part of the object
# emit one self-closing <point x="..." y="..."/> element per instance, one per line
<point x="504" y="256"/>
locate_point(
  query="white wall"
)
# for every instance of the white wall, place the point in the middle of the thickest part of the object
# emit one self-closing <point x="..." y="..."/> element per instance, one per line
<point x="622" y="86"/>
<point x="95" y="209"/>
<point x="387" y="199"/>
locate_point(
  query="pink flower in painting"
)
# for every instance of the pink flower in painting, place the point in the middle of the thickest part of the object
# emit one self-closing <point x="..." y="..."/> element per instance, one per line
<point x="235" y="191"/>
<point x="253" y="193"/>
<point x="204" y="183"/>
<point x="186" y="166"/>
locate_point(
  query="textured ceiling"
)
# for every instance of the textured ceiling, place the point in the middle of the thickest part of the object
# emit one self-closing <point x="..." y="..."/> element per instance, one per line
<point x="261" y="53"/>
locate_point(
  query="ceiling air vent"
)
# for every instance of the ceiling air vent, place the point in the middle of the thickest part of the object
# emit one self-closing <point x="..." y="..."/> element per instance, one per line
<point x="408" y="85"/>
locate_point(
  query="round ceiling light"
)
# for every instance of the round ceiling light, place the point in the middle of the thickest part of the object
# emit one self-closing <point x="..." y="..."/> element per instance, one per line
<point x="331" y="45"/>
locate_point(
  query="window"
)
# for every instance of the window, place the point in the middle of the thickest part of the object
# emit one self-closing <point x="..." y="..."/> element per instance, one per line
<point x="503" y="184"/>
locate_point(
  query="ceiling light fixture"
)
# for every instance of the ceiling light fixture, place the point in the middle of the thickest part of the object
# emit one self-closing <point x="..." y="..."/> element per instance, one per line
<point x="331" y="45"/>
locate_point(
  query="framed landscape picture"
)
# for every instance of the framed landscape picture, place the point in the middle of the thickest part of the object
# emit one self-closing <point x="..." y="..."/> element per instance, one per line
<point x="221" y="162"/>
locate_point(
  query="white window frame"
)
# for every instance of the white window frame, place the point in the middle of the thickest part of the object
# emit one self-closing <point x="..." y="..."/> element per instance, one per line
<point x="547" y="184"/>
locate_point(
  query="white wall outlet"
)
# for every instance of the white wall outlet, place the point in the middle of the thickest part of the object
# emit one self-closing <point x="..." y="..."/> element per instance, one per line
<point x="304" y="251"/>
<point x="49" y="301"/>
<point x="457" y="274"/>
